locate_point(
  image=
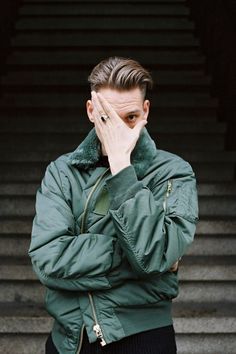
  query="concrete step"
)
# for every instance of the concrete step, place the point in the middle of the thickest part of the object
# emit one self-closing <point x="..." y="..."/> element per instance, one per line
<point x="207" y="245"/>
<point x="103" y="1"/>
<point x="171" y="99"/>
<point x="74" y="58"/>
<point x="21" y="120"/>
<point x="79" y="127"/>
<point x="200" y="333"/>
<point x="68" y="142"/>
<point x="217" y="206"/>
<point x="198" y="156"/>
<point x="197" y="269"/>
<point x="108" y="9"/>
<point x="204" y="189"/>
<point x="19" y="226"/>
<point x="198" y="283"/>
<point x="221" y="158"/>
<point x="24" y="329"/>
<point x="104" y="39"/>
<point x="215" y="227"/>
<point x="103" y="23"/>
<point x="33" y="171"/>
<point x="210" y="227"/>
<point x="213" y="238"/>
<point x="77" y="80"/>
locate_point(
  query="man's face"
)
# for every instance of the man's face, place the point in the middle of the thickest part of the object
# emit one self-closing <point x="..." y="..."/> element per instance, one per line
<point x="128" y="104"/>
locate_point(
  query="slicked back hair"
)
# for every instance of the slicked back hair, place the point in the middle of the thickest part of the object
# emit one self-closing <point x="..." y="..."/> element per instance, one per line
<point x="121" y="74"/>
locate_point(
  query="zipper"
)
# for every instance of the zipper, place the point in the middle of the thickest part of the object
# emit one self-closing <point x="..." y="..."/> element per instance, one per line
<point x="96" y="327"/>
<point x="81" y="339"/>
<point x="168" y="190"/>
<point x="89" y="197"/>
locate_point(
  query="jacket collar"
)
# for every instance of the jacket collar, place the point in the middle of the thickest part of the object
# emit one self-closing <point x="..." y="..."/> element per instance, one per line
<point x="88" y="153"/>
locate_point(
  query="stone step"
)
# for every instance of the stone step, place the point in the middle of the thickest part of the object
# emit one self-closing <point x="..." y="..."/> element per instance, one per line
<point x="104" y="23"/>
<point x="19" y="226"/>
<point x="207" y="245"/>
<point x="204" y="189"/>
<point x="74" y="58"/>
<point x="68" y="142"/>
<point x="77" y="80"/>
<point x="33" y="171"/>
<point x="15" y="119"/>
<point x="108" y="9"/>
<point x="103" y="1"/>
<point x="104" y="39"/>
<point x="24" y="329"/>
<point x="213" y="206"/>
<point x="79" y="127"/>
<point x="191" y="268"/>
<point x="57" y="100"/>
<point x="222" y="158"/>
<point x="199" y="137"/>
<point x="198" y="283"/>
<point x="212" y="237"/>
<point x="213" y="227"/>
<point x="206" y="112"/>
<point x="196" y="291"/>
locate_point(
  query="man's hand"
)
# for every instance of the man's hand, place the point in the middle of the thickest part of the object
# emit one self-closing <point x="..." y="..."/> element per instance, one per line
<point x="117" y="138"/>
<point x="174" y="267"/>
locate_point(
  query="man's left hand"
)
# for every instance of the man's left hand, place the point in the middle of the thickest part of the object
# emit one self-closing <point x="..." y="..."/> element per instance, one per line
<point x="118" y="139"/>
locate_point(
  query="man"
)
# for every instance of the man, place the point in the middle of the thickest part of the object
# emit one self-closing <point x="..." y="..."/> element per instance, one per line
<point x="112" y="220"/>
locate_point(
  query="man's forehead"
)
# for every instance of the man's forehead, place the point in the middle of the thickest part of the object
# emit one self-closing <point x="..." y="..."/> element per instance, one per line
<point x="129" y="101"/>
<point x="121" y="96"/>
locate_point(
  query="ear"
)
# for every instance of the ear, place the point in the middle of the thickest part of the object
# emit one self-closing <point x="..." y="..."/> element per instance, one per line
<point x="89" y="107"/>
<point x="146" y="107"/>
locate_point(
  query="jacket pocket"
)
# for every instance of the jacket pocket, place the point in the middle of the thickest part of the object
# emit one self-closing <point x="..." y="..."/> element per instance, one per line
<point x="181" y="199"/>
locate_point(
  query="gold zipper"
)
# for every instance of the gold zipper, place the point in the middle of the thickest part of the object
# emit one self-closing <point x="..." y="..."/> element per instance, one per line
<point x="89" y="197"/>
<point x="169" y="188"/>
<point x="96" y="327"/>
<point x="81" y="339"/>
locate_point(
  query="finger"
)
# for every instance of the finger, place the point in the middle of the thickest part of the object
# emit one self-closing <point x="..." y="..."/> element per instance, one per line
<point x="140" y="125"/>
<point x="97" y="104"/>
<point x="108" y="108"/>
<point x="174" y="266"/>
<point x="97" y="120"/>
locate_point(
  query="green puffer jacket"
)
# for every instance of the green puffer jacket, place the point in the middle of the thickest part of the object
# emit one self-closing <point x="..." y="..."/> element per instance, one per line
<point x="103" y="245"/>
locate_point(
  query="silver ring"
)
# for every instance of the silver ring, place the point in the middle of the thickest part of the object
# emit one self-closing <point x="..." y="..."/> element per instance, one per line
<point x="104" y="117"/>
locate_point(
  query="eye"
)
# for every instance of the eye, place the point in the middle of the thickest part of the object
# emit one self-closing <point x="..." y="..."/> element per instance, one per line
<point x="131" y="117"/>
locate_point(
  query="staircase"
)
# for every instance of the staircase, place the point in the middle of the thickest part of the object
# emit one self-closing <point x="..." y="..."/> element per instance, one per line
<point x="56" y="44"/>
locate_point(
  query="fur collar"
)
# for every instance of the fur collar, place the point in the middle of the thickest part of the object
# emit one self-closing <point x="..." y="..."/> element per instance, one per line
<point x="88" y="153"/>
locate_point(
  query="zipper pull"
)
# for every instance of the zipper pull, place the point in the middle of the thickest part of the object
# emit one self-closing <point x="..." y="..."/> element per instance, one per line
<point x="98" y="332"/>
<point x="169" y="187"/>
<point x="168" y="190"/>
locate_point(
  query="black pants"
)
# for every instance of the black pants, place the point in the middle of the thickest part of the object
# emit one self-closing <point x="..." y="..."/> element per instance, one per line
<point x="156" y="341"/>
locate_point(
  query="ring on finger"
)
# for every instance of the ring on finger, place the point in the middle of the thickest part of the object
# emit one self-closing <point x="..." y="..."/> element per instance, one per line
<point x="104" y="117"/>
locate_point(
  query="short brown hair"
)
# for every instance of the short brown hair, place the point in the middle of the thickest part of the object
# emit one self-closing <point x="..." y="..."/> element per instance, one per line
<point x="121" y="74"/>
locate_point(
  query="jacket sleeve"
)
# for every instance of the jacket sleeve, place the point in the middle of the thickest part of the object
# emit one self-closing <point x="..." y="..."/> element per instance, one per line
<point x="154" y="229"/>
<point x="61" y="258"/>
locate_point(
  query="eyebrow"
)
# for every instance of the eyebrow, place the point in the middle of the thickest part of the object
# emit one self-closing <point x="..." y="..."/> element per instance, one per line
<point x="133" y="112"/>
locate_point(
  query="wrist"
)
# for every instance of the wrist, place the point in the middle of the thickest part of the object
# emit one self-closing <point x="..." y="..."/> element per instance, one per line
<point x="118" y="163"/>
